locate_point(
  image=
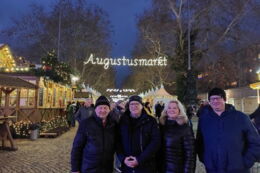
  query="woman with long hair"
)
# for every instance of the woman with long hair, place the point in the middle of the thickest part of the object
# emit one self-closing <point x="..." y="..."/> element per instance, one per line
<point x="178" y="146"/>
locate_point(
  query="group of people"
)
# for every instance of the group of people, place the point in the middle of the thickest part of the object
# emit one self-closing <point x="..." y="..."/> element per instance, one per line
<point x="226" y="140"/>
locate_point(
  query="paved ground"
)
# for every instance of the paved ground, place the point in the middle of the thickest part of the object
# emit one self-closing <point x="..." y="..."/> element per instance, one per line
<point x="44" y="155"/>
<point x="47" y="155"/>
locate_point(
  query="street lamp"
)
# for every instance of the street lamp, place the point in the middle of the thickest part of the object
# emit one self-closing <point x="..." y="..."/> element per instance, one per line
<point x="74" y="79"/>
<point x="258" y="73"/>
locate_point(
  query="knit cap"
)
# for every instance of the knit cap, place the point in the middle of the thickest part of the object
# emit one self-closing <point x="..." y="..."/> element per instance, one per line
<point x="218" y="92"/>
<point x="102" y="100"/>
<point x="136" y="98"/>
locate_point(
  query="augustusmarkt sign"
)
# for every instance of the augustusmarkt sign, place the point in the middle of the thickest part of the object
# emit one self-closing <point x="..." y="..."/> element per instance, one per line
<point x="107" y="62"/>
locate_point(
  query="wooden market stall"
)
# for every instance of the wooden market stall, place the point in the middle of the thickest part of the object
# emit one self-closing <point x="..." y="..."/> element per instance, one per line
<point x="7" y="86"/>
<point x="46" y="102"/>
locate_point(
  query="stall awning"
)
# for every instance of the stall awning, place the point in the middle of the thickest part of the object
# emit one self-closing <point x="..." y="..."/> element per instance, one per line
<point x="15" y="82"/>
<point x="255" y="85"/>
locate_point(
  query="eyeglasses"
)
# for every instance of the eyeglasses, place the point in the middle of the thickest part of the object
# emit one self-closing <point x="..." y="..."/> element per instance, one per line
<point x="215" y="98"/>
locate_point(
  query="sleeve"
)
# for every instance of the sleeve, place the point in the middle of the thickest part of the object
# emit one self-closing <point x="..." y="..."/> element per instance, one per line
<point x="154" y="145"/>
<point x="119" y="144"/>
<point x="189" y="152"/>
<point x="77" y="148"/>
<point x="199" y="145"/>
<point x="252" y="151"/>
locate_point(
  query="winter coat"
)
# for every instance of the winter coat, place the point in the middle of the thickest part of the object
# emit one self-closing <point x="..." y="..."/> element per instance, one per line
<point x="178" y="148"/>
<point x="83" y="113"/>
<point x="94" y="146"/>
<point x="139" y="138"/>
<point x="70" y="112"/>
<point x="227" y="143"/>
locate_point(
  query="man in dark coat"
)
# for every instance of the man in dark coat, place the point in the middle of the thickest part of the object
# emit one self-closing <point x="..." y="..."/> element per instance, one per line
<point x="85" y="111"/>
<point x="139" y="139"/>
<point x="226" y="140"/>
<point x="94" y="144"/>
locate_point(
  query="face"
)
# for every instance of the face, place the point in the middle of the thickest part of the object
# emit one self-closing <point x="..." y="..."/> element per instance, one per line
<point x="122" y="104"/>
<point x="217" y="103"/>
<point x="173" y="110"/>
<point x="112" y="105"/>
<point x="102" y="111"/>
<point x="135" y="108"/>
<point x="88" y="102"/>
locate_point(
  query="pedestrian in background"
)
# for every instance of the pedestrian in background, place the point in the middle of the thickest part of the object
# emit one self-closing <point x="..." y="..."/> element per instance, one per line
<point x="147" y="108"/>
<point x="85" y="111"/>
<point x="70" y="111"/>
<point x="139" y="139"/>
<point x="158" y="109"/>
<point x="94" y="144"/>
<point x="118" y="110"/>
<point x="227" y="141"/>
<point x="178" y="143"/>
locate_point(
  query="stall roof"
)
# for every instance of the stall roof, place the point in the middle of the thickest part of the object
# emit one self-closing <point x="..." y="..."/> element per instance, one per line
<point x="162" y="92"/>
<point x="255" y="85"/>
<point x="82" y="95"/>
<point x="15" y="82"/>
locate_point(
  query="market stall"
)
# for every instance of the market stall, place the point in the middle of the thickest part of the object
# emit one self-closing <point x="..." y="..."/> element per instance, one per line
<point x="8" y="85"/>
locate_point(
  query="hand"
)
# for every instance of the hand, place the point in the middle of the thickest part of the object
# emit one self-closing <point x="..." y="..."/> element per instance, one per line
<point x="131" y="161"/>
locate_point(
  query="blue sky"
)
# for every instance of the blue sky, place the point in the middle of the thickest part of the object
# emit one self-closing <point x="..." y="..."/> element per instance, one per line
<point x="122" y="14"/>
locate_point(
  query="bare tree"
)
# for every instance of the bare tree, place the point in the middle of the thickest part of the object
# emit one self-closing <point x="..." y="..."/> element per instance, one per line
<point x="211" y="29"/>
<point x="73" y="28"/>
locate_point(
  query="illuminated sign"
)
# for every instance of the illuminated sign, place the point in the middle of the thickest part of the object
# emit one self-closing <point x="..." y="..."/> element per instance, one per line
<point x="106" y="62"/>
<point x="121" y="90"/>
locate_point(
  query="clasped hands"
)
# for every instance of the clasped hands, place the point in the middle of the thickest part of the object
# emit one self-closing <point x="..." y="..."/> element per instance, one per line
<point x="131" y="161"/>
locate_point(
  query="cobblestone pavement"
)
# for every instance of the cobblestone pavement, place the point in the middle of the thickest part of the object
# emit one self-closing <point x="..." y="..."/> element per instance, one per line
<point x="44" y="155"/>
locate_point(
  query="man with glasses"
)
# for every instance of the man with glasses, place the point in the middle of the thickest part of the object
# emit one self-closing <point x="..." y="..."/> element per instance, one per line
<point x="226" y="140"/>
<point x="139" y="139"/>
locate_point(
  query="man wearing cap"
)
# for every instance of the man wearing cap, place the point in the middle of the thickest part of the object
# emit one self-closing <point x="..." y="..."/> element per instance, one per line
<point x="94" y="144"/>
<point x="139" y="139"/>
<point x="226" y="140"/>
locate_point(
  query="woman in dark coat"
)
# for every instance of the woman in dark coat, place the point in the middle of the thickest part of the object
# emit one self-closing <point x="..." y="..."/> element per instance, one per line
<point x="178" y="146"/>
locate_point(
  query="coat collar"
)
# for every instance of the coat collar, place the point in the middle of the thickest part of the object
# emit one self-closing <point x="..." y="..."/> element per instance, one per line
<point x="228" y="108"/>
<point x="143" y="119"/>
<point x="109" y="121"/>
